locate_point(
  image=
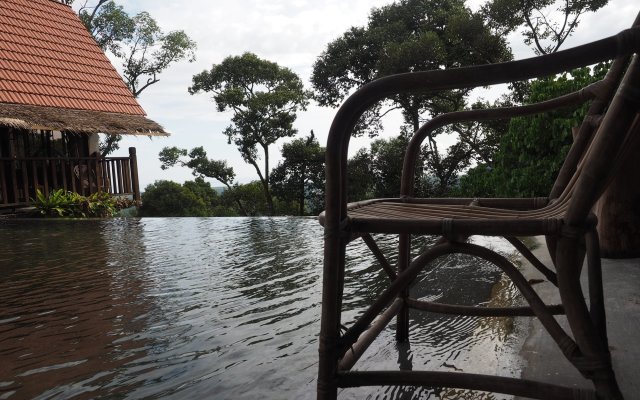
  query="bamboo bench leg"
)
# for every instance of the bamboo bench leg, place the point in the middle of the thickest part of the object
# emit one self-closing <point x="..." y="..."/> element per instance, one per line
<point x="333" y="281"/>
<point x="402" y="324"/>
<point x="593" y="359"/>
<point x="596" y="295"/>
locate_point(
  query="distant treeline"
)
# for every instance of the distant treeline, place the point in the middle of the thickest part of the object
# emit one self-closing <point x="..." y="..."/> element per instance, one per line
<point x="491" y="158"/>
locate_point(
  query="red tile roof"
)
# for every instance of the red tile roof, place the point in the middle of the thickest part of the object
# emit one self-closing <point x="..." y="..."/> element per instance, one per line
<point x="47" y="58"/>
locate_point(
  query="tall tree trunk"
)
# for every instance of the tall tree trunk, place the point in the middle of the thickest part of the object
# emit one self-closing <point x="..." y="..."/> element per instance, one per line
<point x="265" y="183"/>
<point x="241" y="208"/>
<point x="301" y="194"/>
<point x="415" y="119"/>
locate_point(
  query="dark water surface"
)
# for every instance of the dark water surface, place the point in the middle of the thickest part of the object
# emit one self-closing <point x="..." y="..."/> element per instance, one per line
<point x="224" y="308"/>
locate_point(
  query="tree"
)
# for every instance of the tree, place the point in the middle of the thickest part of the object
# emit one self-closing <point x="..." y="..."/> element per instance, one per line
<point x="170" y="199"/>
<point x="264" y="99"/>
<point x="300" y="175"/>
<point x="108" y="23"/>
<point x="192" y="199"/>
<point x="543" y="28"/>
<point x="149" y="51"/>
<point x="377" y="172"/>
<point x="139" y="43"/>
<point x="408" y="36"/>
<point x="201" y="166"/>
<point x="386" y="165"/>
<point x="360" y="180"/>
<point x="251" y="196"/>
<point x="445" y="167"/>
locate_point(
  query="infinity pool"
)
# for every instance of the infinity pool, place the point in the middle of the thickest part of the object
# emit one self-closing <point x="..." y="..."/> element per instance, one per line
<point x="224" y="308"/>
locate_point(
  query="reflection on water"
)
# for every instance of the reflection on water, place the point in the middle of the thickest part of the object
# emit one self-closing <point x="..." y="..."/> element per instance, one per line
<point x="216" y="308"/>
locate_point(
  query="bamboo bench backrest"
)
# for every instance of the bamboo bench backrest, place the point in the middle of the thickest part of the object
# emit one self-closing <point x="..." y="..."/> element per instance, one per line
<point x="584" y="137"/>
<point x="613" y="139"/>
<point x="602" y="94"/>
<point x="626" y="42"/>
<point x="586" y="131"/>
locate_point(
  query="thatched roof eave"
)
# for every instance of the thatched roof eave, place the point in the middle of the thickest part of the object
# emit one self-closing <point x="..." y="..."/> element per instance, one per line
<point x="80" y="121"/>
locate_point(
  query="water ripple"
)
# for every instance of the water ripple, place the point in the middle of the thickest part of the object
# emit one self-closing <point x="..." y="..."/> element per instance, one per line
<point x="213" y="308"/>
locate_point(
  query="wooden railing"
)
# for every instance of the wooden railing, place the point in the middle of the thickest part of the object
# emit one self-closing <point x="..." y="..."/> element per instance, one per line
<point x="21" y="177"/>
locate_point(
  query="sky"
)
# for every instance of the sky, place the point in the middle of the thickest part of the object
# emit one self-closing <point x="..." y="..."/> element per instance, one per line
<point x="292" y="33"/>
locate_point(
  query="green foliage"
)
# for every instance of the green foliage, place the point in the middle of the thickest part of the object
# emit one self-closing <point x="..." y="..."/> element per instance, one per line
<point x="203" y="190"/>
<point x="100" y="204"/>
<point x="193" y="199"/>
<point x="479" y="181"/>
<point x="386" y="165"/>
<point x="532" y="151"/>
<point x="360" y="180"/>
<point x="264" y="99"/>
<point x="198" y="162"/>
<point x="69" y="204"/>
<point x="144" y="49"/>
<point x="109" y="25"/>
<point x="56" y="204"/>
<point x="377" y="172"/>
<point x="251" y="195"/>
<point x="546" y="23"/>
<point x="201" y="167"/>
<point x="407" y="36"/>
<point x="170" y="199"/>
<point x="149" y="51"/>
<point x="299" y="178"/>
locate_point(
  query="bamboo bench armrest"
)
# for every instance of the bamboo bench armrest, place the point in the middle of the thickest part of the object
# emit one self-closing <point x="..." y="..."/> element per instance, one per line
<point x="413" y="149"/>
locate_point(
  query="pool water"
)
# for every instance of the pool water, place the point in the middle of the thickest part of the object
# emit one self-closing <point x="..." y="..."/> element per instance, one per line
<point x="223" y="308"/>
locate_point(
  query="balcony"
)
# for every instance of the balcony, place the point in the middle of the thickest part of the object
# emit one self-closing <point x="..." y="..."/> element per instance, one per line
<point x="20" y="177"/>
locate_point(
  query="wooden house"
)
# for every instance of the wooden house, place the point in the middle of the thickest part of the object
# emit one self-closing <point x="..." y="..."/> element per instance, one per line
<point x="58" y="91"/>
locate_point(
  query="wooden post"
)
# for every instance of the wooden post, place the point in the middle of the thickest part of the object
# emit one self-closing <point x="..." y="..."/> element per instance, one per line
<point x="133" y="160"/>
<point x="14" y="182"/>
<point x="114" y="178"/>
<point x="3" y="183"/>
<point x="99" y="177"/>
<point x="45" y="177"/>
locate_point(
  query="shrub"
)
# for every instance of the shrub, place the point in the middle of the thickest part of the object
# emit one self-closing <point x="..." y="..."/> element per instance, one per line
<point x="73" y="205"/>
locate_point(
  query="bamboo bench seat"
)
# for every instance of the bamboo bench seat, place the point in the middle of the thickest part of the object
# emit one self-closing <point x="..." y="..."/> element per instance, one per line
<point x="418" y="217"/>
<point x="601" y="145"/>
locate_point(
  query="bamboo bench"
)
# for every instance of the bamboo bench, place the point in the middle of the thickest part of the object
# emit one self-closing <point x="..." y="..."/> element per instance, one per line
<point x="565" y="218"/>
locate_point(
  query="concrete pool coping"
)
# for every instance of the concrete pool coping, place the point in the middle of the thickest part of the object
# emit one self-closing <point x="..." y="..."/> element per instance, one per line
<point x="543" y="360"/>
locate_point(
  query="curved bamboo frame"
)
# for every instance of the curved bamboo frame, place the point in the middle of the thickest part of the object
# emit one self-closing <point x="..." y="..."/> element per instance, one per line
<point x="564" y="218"/>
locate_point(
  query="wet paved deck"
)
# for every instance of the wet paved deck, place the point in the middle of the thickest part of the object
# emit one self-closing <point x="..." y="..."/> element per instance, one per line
<point x="543" y="359"/>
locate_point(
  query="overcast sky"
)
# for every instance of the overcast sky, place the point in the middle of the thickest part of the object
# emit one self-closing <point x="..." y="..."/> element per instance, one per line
<point x="291" y="33"/>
